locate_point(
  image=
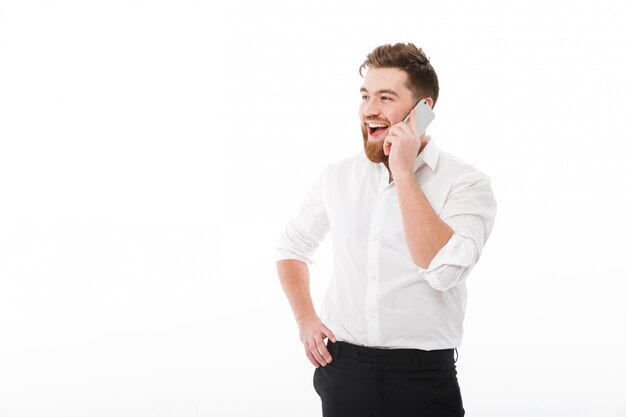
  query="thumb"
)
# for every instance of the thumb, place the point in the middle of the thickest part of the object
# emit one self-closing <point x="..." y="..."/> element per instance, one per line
<point x="328" y="333"/>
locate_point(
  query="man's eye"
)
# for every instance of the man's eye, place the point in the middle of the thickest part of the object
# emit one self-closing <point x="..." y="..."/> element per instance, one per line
<point x="364" y="97"/>
<point x="385" y="98"/>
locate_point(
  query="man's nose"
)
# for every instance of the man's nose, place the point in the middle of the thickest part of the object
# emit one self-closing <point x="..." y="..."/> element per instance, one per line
<point x="371" y="108"/>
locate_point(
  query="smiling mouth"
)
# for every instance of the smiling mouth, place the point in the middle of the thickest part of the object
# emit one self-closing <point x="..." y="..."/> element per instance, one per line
<point x="377" y="130"/>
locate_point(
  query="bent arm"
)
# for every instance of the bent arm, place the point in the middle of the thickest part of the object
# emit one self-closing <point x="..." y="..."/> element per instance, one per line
<point x="294" y="277"/>
<point x="425" y="232"/>
<point x="447" y="247"/>
<point x="302" y="235"/>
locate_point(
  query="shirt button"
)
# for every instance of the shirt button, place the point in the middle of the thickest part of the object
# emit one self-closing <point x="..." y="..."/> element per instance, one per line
<point x="380" y="201"/>
<point x="375" y="238"/>
<point x="373" y="315"/>
<point x="373" y="276"/>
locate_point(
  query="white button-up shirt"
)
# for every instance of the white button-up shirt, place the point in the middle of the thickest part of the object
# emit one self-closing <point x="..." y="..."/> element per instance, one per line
<point x="377" y="295"/>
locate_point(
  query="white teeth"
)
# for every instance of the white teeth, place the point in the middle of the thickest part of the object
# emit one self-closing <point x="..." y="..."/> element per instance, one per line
<point x="376" y="125"/>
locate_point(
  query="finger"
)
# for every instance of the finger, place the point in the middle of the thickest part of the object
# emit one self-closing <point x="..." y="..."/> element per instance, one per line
<point x="309" y="355"/>
<point x="323" y="350"/>
<point x="400" y="130"/>
<point x="328" y="333"/>
<point x="407" y="129"/>
<point x="387" y="144"/>
<point x="395" y="129"/>
<point x="316" y="353"/>
<point x="411" y="122"/>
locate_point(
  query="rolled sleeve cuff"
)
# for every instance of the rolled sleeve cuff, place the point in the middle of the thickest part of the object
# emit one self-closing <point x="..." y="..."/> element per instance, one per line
<point x="451" y="264"/>
<point x="282" y="254"/>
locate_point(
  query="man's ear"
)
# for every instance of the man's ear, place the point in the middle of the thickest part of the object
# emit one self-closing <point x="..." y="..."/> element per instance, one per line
<point x="429" y="101"/>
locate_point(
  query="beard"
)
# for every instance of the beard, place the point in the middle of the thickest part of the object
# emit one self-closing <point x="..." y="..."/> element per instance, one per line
<point x="374" y="148"/>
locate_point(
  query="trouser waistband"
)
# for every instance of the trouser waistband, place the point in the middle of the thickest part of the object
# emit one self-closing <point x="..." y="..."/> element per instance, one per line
<point x="423" y="359"/>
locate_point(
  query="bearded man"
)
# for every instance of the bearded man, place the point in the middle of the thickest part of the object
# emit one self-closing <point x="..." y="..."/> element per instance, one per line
<point x="408" y="223"/>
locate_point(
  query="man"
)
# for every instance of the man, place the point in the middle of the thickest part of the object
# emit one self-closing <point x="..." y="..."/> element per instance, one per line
<point x="408" y="223"/>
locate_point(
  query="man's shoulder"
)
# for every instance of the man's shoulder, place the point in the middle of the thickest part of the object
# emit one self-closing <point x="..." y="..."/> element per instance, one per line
<point x="348" y="163"/>
<point x="457" y="167"/>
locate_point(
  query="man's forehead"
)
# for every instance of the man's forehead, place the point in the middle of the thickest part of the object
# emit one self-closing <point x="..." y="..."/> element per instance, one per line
<point x="393" y="79"/>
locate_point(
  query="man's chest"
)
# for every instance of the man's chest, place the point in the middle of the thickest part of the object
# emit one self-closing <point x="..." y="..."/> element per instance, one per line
<point x="369" y="208"/>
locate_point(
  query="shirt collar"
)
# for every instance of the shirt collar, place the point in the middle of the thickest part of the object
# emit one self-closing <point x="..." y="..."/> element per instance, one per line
<point x="428" y="156"/>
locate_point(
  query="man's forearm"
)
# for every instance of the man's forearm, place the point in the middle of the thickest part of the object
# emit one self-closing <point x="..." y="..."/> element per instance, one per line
<point x="294" y="278"/>
<point x="425" y="232"/>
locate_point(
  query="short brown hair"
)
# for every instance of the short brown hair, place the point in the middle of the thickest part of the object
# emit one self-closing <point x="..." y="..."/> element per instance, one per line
<point x="422" y="78"/>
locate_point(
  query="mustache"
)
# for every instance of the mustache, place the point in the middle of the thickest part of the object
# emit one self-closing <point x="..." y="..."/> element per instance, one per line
<point x="376" y="121"/>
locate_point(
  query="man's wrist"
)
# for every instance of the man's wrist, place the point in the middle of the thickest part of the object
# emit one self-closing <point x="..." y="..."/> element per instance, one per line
<point x="305" y="317"/>
<point x="403" y="176"/>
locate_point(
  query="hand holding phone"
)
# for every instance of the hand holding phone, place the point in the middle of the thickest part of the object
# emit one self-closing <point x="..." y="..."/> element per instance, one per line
<point x="422" y="116"/>
<point x="403" y="142"/>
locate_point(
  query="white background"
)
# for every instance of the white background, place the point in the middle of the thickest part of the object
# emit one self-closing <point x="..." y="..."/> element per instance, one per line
<point x="152" y="151"/>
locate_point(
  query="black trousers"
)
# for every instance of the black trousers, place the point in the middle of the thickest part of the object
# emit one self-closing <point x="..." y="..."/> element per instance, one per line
<point x="367" y="382"/>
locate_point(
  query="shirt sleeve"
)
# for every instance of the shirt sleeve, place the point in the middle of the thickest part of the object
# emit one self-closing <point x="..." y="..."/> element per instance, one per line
<point x="307" y="229"/>
<point x="470" y="211"/>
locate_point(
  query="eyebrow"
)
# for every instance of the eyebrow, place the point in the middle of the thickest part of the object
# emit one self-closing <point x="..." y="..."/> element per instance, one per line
<point x="384" y="91"/>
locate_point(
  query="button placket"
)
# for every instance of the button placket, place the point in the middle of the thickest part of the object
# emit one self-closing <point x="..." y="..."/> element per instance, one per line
<point x="373" y="268"/>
